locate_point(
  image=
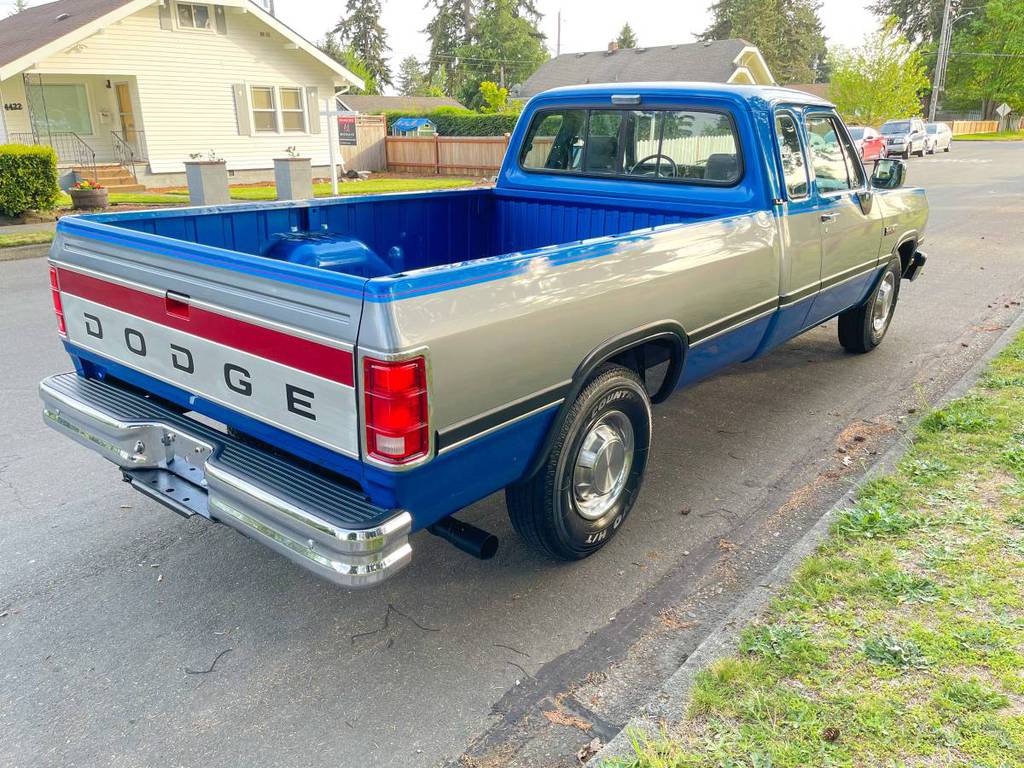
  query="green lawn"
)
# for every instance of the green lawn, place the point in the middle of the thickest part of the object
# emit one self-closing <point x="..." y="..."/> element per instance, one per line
<point x="1001" y="136"/>
<point x="901" y="641"/>
<point x="269" y="192"/>
<point x="25" y="238"/>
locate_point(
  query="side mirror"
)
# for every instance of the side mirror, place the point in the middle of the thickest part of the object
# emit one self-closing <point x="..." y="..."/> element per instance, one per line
<point x="888" y="174"/>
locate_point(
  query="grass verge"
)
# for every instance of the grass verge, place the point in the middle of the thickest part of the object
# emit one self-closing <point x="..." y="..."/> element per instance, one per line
<point x="901" y="641"/>
<point x="1000" y="136"/>
<point x="25" y="238"/>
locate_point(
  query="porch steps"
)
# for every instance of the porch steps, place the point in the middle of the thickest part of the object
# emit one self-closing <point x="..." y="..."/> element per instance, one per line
<point x="116" y="178"/>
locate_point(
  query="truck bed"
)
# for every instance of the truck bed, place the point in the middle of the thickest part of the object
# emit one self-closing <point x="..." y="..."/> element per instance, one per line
<point x="415" y="230"/>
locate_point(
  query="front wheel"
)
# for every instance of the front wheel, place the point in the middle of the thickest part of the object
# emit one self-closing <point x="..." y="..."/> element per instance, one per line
<point x="579" y="498"/>
<point x="862" y="328"/>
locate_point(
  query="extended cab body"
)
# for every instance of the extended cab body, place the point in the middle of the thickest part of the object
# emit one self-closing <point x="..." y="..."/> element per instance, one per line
<point x="329" y="376"/>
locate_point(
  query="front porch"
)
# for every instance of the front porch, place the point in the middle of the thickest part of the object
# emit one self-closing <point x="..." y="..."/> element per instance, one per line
<point x="90" y="121"/>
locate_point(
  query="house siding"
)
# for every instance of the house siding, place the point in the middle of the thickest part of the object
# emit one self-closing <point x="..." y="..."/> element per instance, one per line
<point x="184" y="80"/>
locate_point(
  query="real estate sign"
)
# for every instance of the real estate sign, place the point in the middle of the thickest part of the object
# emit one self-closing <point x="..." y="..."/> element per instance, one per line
<point x="347" y="130"/>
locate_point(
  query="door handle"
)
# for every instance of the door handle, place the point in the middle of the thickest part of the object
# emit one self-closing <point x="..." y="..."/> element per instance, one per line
<point x="826" y="217"/>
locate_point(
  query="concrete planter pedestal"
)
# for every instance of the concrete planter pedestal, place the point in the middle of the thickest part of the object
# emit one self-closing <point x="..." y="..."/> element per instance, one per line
<point x="207" y="182"/>
<point x="293" y="177"/>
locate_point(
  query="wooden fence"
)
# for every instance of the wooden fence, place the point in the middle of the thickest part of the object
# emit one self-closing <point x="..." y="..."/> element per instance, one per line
<point x="974" y="126"/>
<point x="446" y="155"/>
<point x="368" y="152"/>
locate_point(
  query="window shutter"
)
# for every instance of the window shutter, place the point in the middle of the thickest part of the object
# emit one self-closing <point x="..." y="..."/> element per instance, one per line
<point x="164" y="10"/>
<point x="242" y="113"/>
<point x="313" y="108"/>
<point x="219" y="20"/>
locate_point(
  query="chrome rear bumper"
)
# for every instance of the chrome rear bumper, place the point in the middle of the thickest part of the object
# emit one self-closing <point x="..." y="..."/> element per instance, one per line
<point x="317" y="522"/>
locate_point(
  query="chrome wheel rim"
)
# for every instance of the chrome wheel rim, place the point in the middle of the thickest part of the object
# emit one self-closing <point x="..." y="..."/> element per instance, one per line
<point x="602" y="465"/>
<point x="883" y="304"/>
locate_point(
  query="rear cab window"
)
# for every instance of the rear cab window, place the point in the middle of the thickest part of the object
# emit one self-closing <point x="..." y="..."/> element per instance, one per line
<point x="691" y="146"/>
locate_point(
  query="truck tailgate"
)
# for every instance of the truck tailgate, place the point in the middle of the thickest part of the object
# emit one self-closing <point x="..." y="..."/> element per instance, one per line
<point x="270" y="340"/>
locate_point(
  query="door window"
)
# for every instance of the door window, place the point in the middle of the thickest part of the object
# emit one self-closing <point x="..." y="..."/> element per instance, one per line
<point x="831" y="169"/>
<point x="794" y="169"/>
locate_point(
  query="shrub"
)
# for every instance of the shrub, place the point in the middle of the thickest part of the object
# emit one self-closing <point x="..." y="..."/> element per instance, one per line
<point x="28" y="179"/>
<point x="452" y="121"/>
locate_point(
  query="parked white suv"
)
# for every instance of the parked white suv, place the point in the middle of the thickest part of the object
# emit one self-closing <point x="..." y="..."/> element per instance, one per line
<point x="940" y="136"/>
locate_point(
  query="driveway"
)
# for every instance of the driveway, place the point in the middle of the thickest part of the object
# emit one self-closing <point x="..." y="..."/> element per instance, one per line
<point x="132" y="637"/>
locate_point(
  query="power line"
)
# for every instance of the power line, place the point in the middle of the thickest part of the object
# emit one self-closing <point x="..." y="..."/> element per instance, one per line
<point x="997" y="55"/>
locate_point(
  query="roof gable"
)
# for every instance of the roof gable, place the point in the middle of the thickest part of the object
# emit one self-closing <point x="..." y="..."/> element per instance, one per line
<point x="712" y="61"/>
<point x="39" y="31"/>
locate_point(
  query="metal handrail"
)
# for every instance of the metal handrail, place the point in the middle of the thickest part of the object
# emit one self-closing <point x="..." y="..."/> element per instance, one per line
<point x="125" y="153"/>
<point x="67" y="144"/>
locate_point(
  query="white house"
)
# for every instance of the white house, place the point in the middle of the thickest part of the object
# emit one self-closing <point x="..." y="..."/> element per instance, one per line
<point x="146" y="83"/>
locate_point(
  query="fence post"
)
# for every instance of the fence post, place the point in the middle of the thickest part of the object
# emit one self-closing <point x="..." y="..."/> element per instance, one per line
<point x="437" y="155"/>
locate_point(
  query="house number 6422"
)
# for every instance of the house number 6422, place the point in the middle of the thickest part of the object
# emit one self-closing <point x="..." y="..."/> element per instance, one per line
<point x="13" y="106"/>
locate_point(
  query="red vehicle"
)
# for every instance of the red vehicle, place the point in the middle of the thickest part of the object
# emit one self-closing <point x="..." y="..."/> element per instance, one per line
<point x="869" y="142"/>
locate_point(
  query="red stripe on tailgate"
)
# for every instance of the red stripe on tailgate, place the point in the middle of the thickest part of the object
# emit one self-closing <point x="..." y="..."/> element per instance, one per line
<point x="319" y="359"/>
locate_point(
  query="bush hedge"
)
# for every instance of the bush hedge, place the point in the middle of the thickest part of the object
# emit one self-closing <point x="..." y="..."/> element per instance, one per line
<point x="28" y="179"/>
<point x="452" y="121"/>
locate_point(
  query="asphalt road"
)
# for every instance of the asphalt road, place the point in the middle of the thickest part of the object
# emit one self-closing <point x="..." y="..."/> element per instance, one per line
<point x="113" y="609"/>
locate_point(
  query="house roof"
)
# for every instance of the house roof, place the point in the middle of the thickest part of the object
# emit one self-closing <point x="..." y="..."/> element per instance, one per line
<point x="712" y="61"/>
<point x="375" y="104"/>
<point x="42" y="30"/>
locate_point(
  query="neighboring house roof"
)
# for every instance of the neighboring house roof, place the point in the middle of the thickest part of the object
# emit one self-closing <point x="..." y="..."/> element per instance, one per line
<point x="370" y="105"/>
<point x="41" y="31"/>
<point x="821" y="90"/>
<point x="719" y="61"/>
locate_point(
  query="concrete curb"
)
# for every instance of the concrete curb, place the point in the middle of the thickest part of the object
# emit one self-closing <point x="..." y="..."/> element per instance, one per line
<point x="17" y="252"/>
<point x="668" y="705"/>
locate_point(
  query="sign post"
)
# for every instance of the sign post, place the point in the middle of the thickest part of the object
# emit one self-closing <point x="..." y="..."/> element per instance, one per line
<point x="336" y="136"/>
<point x="1003" y="110"/>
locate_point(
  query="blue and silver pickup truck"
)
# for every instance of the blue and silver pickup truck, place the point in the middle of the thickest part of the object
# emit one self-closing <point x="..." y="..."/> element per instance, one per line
<point x="331" y="376"/>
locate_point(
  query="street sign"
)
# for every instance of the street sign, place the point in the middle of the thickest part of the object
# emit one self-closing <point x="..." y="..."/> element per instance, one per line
<point x="1003" y="109"/>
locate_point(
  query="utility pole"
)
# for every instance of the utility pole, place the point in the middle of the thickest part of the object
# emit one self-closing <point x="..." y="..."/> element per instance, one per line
<point x="558" y="35"/>
<point x="939" y="75"/>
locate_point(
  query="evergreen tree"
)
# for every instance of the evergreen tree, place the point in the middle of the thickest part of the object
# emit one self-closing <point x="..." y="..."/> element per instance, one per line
<point x="627" y="37"/>
<point x="360" y="32"/>
<point x="19" y="6"/>
<point x="348" y="59"/>
<point x="787" y="32"/>
<point x="412" y="81"/>
<point x="448" y="30"/>
<point x="505" y="47"/>
<point x="919" y="20"/>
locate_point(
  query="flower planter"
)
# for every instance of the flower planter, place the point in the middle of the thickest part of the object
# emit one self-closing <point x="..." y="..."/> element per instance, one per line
<point x="293" y="177"/>
<point x="88" y="198"/>
<point x="207" y="182"/>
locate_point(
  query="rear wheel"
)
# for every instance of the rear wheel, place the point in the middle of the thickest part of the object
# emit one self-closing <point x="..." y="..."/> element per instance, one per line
<point x="587" y="486"/>
<point x="862" y="328"/>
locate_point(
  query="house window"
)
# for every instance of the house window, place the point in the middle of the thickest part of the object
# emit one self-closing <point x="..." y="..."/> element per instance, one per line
<point x="192" y="16"/>
<point x="59" y="108"/>
<point x="264" y="110"/>
<point x="293" y="115"/>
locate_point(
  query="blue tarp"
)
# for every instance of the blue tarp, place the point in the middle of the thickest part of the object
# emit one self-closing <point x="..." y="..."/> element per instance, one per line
<point x="410" y="123"/>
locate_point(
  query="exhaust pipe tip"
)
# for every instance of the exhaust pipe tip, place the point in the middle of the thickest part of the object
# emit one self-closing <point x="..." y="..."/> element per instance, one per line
<point x="470" y="539"/>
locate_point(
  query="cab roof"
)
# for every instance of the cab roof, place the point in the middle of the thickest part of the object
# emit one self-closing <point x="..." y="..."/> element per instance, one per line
<point x="764" y="95"/>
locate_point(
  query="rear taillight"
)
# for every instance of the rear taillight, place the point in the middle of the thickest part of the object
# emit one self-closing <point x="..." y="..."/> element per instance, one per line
<point x="58" y="308"/>
<point x="395" y="394"/>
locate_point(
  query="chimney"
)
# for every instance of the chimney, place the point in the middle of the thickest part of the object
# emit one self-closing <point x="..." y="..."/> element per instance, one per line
<point x="613" y="46"/>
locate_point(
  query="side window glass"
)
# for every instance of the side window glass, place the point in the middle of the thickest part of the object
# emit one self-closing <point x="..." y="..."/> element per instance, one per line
<point x="853" y="169"/>
<point x="555" y="141"/>
<point x="826" y="155"/>
<point x="794" y="169"/>
<point x="602" y="154"/>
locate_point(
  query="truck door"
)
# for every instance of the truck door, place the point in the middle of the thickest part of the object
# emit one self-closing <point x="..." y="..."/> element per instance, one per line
<point x="850" y="232"/>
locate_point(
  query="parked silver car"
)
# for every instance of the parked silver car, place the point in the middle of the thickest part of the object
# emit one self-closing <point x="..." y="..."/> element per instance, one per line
<point x="905" y="137"/>
<point x="940" y="136"/>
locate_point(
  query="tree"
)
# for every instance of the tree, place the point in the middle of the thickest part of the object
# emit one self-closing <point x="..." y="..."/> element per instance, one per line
<point x="412" y="80"/>
<point x="627" y="37"/>
<point x="19" y="6"/>
<point x="987" y="59"/>
<point x="448" y="30"/>
<point x="360" y="32"/>
<point x="919" y="20"/>
<point x="787" y="32"/>
<point x="348" y="59"/>
<point x="880" y="80"/>
<point x="494" y="98"/>
<point x="505" y="47"/>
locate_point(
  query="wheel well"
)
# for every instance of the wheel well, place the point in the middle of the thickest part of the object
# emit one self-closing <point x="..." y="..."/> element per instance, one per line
<point x="658" y="362"/>
<point x="906" y="253"/>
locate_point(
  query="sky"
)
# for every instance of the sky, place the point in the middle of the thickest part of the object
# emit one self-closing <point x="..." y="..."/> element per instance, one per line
<point x="587" y="25"/>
